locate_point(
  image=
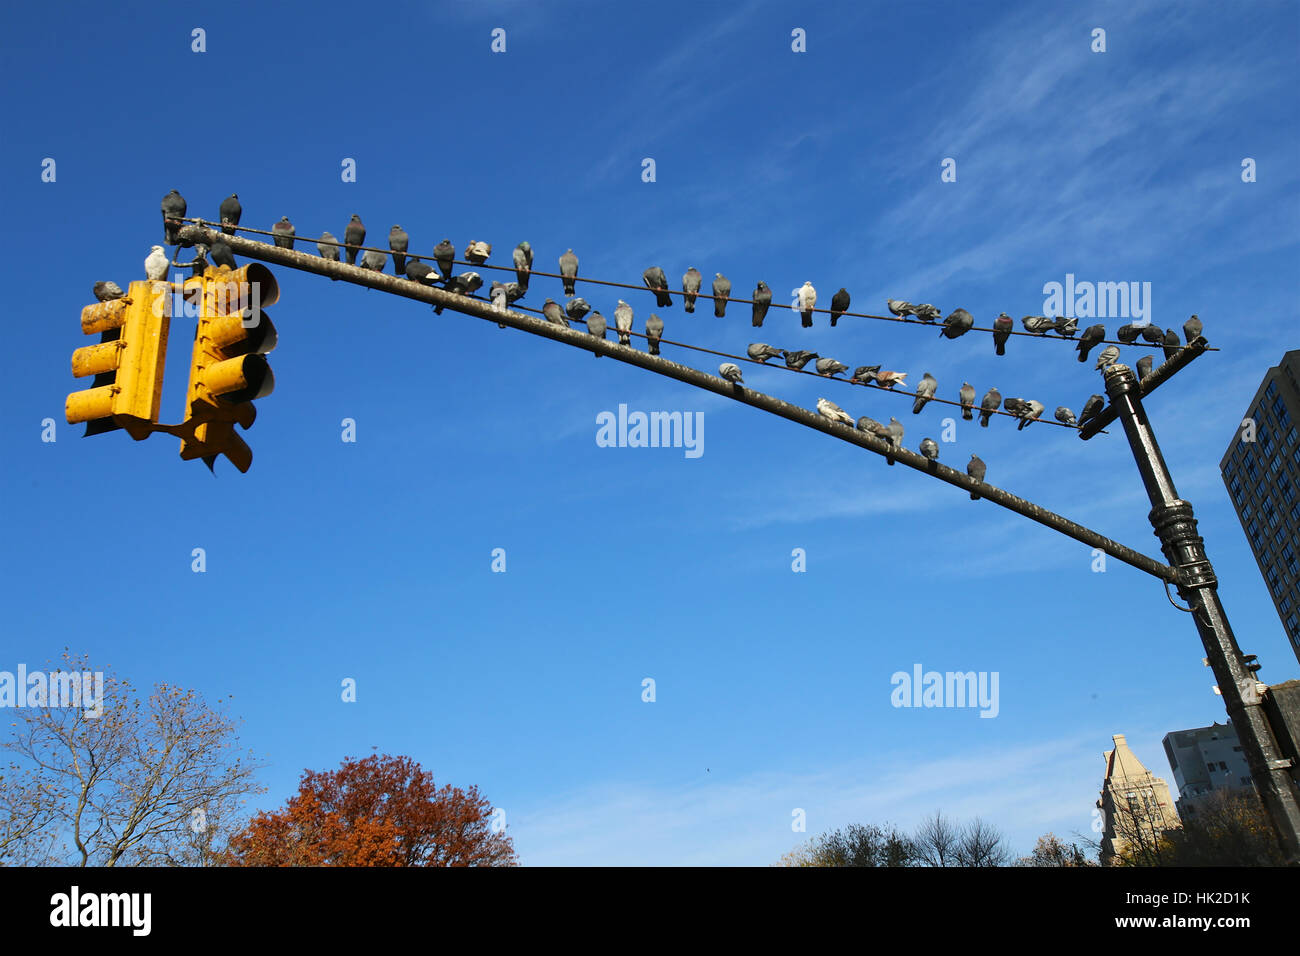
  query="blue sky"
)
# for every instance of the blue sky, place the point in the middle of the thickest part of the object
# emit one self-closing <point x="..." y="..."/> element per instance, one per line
<point x="372" y="560"/>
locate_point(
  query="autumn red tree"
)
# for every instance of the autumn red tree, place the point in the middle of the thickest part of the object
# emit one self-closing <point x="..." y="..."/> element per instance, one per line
<point x="380" y="811"/>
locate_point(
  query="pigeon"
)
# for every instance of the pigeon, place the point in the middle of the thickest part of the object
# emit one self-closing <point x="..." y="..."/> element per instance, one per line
<point x="895" y="434"/>
<point x="156" y="264"/>
<point x="230" y="213"/>
<point x="957" y="324"/>
<point x="1002" y="327"/>
<point x="1091" y="409"/>
<point x="1153" y="334"/>
<point x="762" y="301"/>
<point x="924" y="392"/>
<point x="1128" y="333"/>
<point x="397" y="242"/>
<point x="989" y="404"/>
<point x="108" y="291"/>
<point x="418" y="271"/>
<point x="478" y="251"/>
<point x="466" y="283"/>
<point x="899" y="306"/>
<point x="1092" y="335"/>
<point x="976" y="469"/>
<point x="173" y="207"/>
<point x="1037" y="324"/>
<point x="623" y="322"/>
<point x="1172" y="344"/>
<point x="830" y="367"/>
<point x="1144" y="366"/>
<point x="929" y="449"/>
<point x="731" y="373"/>
<point x="967" y="395"/>
<point x="576" y="308"/>
<point x="798" y="359"/>
<point x="1192" y="328"/>
<point x="1065" y="416"/>
<point x="326" y="246"/>
<point x="568" y="270"/>
<point x="889" y="379"/>
<point x="654" y="330"/>
<point x="1029" y="413"/>
<point x="926" y="313"/>
<point x="839" y="305"/>
<point x="865" y="374"/>
<point x="283" y="233"/>
<point x="1107" y="356"/>
<point x="444" y="253"/>
<point x="761" y="352"/>
<point x="523" y="260"/>
<point x="655" y="280"/>
<point x="828" y="409"/>
<point x="552" y="312"/>
<point x="596" y="325"/>
<point x="1016" y="406"/>
<point x="807" y="300"/>
<point x="374" y="260"/>
<point x="721" y="289"/>
<point x="354" y="235"/>
<point x="873" y="427"/>
<point x="222" y="256"/>
<point x="691" y="287"/>
<point x="1066" y="327"/>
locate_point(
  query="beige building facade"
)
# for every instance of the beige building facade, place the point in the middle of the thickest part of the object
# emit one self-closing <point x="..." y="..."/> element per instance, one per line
<point x="1135" y="805"/>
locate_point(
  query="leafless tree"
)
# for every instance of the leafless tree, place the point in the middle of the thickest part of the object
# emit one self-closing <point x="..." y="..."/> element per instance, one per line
<point x="936" y="841"/>
<point x="980" y="844"/>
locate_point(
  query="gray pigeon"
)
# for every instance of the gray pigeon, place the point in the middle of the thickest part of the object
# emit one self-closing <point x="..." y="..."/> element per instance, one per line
<point x="553" y="313"/>
<point x="1091" y="409"/>
<point x="222" y="255"/>
<point x="991" y="402"/>
<point x="839" y="305"/>
<point x="828" y="409"/>
<point x="798" y="359"/>
<point x="761" y="352"/>
<point x="374" y="260"/>
<point x="284" y="233"/>
<point x="230" y="213"/>
<point x="1029" y="413"/>
<point x="829" y="367"/>
<point x="899" y="307"/>
<point x="762" y="301"/>
<point x="1065" y="416"/>
<point x="865" y="374"/>
<point x="967" y="395"/>
<point x="807" y="302"/>
<point x="895" y="435"/>
<point x="596" y="325"/>
<point x="926" y="312"/>
<point x="1038" y="324"/>
<point x="568" y="270"/>
<point x="497" y="295"/>
<point x="1107" y="356"/>
<point x="1016" y="406"/>
<point x="721" y="289"/>
<point x="1153" y="334"/>
<point x="654" y="330"/>
<point x="353" y="236"/>
<point x="523" y="260"/>
<point x="957" y="324"/>
<point x="873" y="427"/>
<point x="655" y="280"/>
<point x="930" y="449"/>
<point x="398" y="242"/>
<point x="1002" y="328"/>
<point x="1144" y="366"/>
<point x="418" y="271"/>
<point x="623" y="322"/>
<point x="1192" y="328"/>
<point x="1092" y="335"/>
<point x="1172" y="344"/>
<point x="444" y="253"/>
<point x="514" y="292"/>
<point x="924" y="392"/>
<point x="326" y="246"/>
<point x="107" y="291"/>
<point x="576" y="308"/>
<point x="691" y="287"/>
<point x="976" y="469"/>
<point x="173" y="207"/>
<point x="731" y="373"/>
<point x="1066" y="327"/>
<point x="1128" y="333"/>
<point x="156" y="264"/>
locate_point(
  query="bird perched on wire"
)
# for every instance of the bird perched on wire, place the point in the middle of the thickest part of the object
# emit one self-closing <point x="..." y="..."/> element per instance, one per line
<point x="1172" y="344"/>
<point x="552" y="312"/>
<point x="354" y="235"/>
<point x="930" y="449"/>
<point x="731" y="373"/>
<point x="596" y="326"/>
<point x="107" y="291"/>
<point x="924" y="392"/>
<point x="1144" y="366"/>
<point x="895" y="429"/>
<point x="283" y="233"/>
<point x="1153" y="334"/>
<point x="900" y="307"/>
<point x="691" y="280"/>
<point x="1107" y="356"/>
<point x="398" y="242"/>
<point x="576" y="308"/>
<point x="1065" y="416"/>
<point x="478" y="251"/>
<point x="830" y="367"/>
<point x="523" y="260"/>
<point x="1038" y="324"/>
<point x="1092" y="335"/>
<point x="1002" y="328"/>
<point x="1192" y="328"/>
<point x="656" y="281"/>
<point x="222" y="255"/>
<point x="977" y="470"/>
<point x="374" y="260"/>
<point x="828" y="409"/>
<point x="761" y="352"/>
<point x="721" y="289"/>
<point x="873" y="427"/>
<point x="1128" y="333"/>
<point x="230" y="212"/>
<point x="798" y="359"/>
<point x="1029" y="413"/>
<point x="888" y="379"/>
<point x="926" y="312"/>
<point x="623" y="322"/>
<point x="807" y="301"/>
<point x="327" y="248"/>
<point x="156" y="264"/>
<point x="762" y="302"/>
<point x="1015" y="406"/>
<point x="173" y="208"/>
<point x="839" y="305"/>
<point x="654" y="330"/>
<point x="568" y="270"/>
<point x="420" y="272"/>
<point x="967" y="396"/>
<point x="991" y="402"/>
<point x="1091" y="409"/>
<point x="466" y="283"/>
<point x="1066" y="327"/>
<point x="865" y="374"/>
<point x="957" y="324"/>
<point x="444" y="253"/>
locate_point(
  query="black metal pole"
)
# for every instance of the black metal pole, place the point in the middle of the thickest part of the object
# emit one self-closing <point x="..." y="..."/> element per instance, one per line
<point x="1184" y="549"/>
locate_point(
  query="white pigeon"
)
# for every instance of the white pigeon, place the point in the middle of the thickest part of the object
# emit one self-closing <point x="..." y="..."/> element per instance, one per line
<point x="828" y="409"/>
<point x="807" y="300"/>
<point x="731" y="372"/>
<point x="156" y="264"/>
<point x="623" y="322"/>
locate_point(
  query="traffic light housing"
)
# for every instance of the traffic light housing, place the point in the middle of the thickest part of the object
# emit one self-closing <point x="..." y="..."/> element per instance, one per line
<point x="127" y="364"/>
<point x="229" y="368"/>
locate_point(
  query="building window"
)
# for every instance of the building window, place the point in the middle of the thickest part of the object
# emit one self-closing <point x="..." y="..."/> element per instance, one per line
<point x="1274" y="464"/>
<point x="1291" y="436"/>
<point x="1295" y="513"/>
<point x="1288" y="556"/>
<point x="1251" y="471"/>
<point x="1246" y="511"/>
<point x="1279" y="409"/>
<point x="1293" y="625"/>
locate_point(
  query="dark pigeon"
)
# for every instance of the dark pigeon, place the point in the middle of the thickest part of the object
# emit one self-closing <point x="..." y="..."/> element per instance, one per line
<point x="1029" y="413"/>
<point x="576" y="308"/>
<point x="523" y="260"/>
<point x="107" y="291"/>
<point x="655" y="280"/>
<point x="398" y="241"/>
<point x="1092" y="335"/>
<point x="1065" y="416"/>
<point x="926" y="312"/>
<point x="1192" y="329"/>
<point x="930" y="449"/>
<point x="798" y="359"/>
<point x="691" y="281"/>
<point x="418" y="271"/>
<point x="1091" y="409"/>
<point x="596" y="326"/>
<point x="967" y="395"/>
<point x="924" y="392"/>
<point x="895" y="429"/>
<point x="654" y="330"/>
<point x="830" y="367"/>
<point x="553" y="313"/>
<point x="976" y="469"/>
<point x="761" y="352"/>
<point x="957" y="324"/>
<point x="721" y="289"/>
<point x="1128" y="333"/>
<point x="444" y="253"/>
<point x="284" y="233"/>
<point x="1144" y="366"/>
<point x="568" y="270"/>
<point x="762" y="302"/>
<point x="374" y="260"/>
<point x="222" y="256"/>
<point x="1153" y="334"/>
<point x="1002" y="328"/>
<point x="327" y="248"/>
<point x="839" y="305"/>
<point x="991" y="402"/>
<point x="173" y="207"/>
<point x="1038" y="324"/>
<point x="354" y="235"/>
<point x="865" y="374"/>
<point x="230" y="213"/>
<point x="1066" y="327"/>
<point x="1172" y="344"/>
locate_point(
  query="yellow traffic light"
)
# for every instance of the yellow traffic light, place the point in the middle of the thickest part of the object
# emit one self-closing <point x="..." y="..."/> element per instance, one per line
<point x="127" y="363"/>
<point x="229" y="368"/>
